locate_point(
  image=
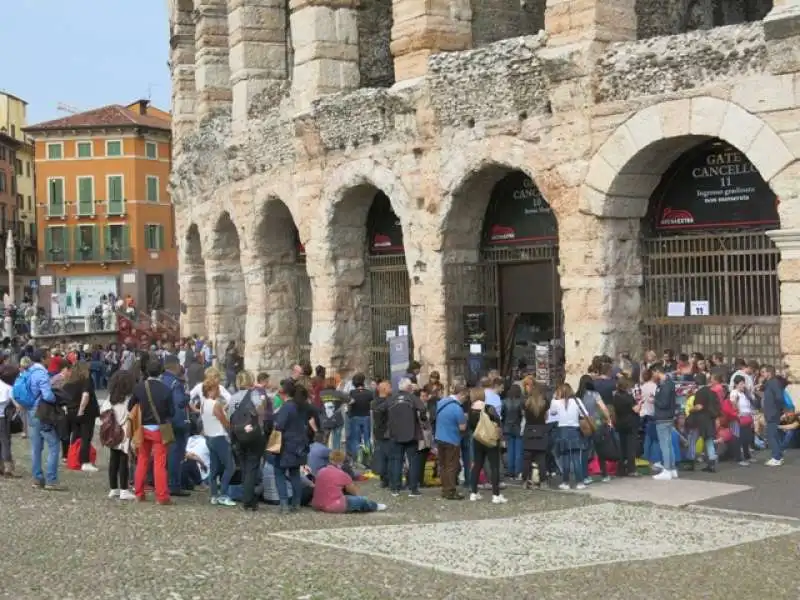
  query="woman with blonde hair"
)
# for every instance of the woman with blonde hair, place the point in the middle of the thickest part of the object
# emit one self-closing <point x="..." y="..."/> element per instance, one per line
<point x="567" y="410"/>
<point x="211" y="374"/>
<point x="535" y="438"/>
<point x="483" y="451"/>
<point x="215" y="428"/>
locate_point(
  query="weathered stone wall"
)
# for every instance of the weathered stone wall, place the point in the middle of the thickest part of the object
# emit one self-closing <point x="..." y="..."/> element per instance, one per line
<point x="594" y="124"/>
<point x="375" y="62"/>
<point x="494" y="20"/>
<point x="669" y="17"/>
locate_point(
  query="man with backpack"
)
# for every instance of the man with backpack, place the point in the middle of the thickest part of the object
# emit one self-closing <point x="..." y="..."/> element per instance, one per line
<point x="180" y="423"/>
<point x="405" y="431"/>
<point x="33" y="390"/>
<point x="247" y="435"/>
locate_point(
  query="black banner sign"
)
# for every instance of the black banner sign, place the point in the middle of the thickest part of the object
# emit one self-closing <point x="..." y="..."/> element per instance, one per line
<point x="713" y="186"/>
<point x="517" y="213"/>
<point x="385" y="234"/>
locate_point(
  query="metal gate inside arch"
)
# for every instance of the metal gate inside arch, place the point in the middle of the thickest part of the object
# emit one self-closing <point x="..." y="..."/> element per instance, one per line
<point x="388" y="283"/>
<point x="710" y="272"/>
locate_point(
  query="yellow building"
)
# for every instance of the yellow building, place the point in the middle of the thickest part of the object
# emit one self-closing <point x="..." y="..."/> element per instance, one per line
<point x="13" y="120"/>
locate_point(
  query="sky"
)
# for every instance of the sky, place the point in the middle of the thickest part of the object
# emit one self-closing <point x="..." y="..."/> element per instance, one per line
<point x="84" y="53"/>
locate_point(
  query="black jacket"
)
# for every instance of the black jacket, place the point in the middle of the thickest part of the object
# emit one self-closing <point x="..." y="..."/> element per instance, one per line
<point x="772" y="403"/>
<point x="162" y="399"/>
<point x="665" y="401"/>
<point x="380" y="418"/>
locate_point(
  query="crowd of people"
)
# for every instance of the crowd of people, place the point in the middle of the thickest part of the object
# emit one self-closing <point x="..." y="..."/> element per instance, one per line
<point x="176" y="423"/>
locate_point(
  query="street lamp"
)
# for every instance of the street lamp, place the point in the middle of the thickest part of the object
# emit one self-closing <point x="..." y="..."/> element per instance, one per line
<point x="11" y="265"/>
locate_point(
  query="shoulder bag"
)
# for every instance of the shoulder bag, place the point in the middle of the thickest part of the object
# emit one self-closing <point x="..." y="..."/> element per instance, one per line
<point x="585" y="422"/>
<point x="487" y="432"/>
<point x="167" y="433"/>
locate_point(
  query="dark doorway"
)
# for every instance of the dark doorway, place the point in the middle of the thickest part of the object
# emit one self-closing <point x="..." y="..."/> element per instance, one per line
<point x="154" y="288"/>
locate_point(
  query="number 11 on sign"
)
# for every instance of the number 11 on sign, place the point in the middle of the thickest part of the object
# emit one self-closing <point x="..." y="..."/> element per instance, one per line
<point x="699" y="308"/>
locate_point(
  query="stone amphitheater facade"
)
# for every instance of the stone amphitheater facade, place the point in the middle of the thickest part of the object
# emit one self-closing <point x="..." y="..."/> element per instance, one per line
<point x="295" y="116"/>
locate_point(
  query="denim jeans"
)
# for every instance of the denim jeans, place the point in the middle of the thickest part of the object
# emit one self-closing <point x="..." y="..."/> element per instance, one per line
<point x="381" y="460"/>
<point x="710" y="448"/>
<point x="514" y="454"/>
<point x="466" y="458"/>
<point x="358" y="432"/>
<point x="336" y="438"/>
<point x="175" y="456"/>
<point x="40" y="435"/>
<point x="774" y="441"/>
<point x="664" y="433"/>
<point x="360" y="503"/>
<point x="221" y="465"/>
<point x="572" y="461"/>
<point x="399" y="453"/>
<point x="652" y="451"/>
<point x="281" y="476"/>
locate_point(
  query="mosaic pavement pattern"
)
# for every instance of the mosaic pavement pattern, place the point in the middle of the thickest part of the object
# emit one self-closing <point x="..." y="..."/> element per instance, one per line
<point x="550" y="541"/>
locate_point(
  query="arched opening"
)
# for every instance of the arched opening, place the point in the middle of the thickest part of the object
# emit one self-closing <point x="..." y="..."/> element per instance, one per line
<point x="227" y="304"/>
<point x="283" y="322"/>
<point x="369" y="259"/>
<point x="193" y="285"/>
<point x="495" y="20"/>
<point x="656" y="17"/>
<point x="709" y="271"/>
<point x="503" y="296"/>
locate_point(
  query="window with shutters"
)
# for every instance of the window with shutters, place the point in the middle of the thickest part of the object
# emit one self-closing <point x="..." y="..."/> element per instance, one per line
<point x="116" y="201"/>
<point x="152" y="188"/>
<point x="55" y="151"/>
<point x="116" y="246"/>
<point x="113" y="148"/>
<point x="151" y="150"/>
<point x="84" y="149"/>
<point x="154" y="237"/>
<point x="55" y="197"/>
<point x="55" y="244"/>
<point x="85" y="196"/>
<point x="86" y="246"/>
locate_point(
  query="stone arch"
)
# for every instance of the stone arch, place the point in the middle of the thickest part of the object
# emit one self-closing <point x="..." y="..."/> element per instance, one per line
<point x="192" y="283"/>
<point x="342" y="329"/>
<point x="279" y="291"/>
<point x="483" y="276"/>
<point x="627" y="168"/>
<point x="226" y="288"/>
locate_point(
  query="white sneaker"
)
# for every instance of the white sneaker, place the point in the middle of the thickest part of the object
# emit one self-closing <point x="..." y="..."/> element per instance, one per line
<point x="658" y="466"/>
<point x="113" y="494"/>
<point x="588" y="481"/>
<point x="499" y="499"/>
<point x="89" y="468"/>
<point x="381" y="507"/>
<point x="127" y="495"/>
<point x="674" y="473"/>
<point x="580" y="486"/>
<point x="563" y="486"/>
<point x="744" y="463"/>
<point x="474" y="497"/>
<point x="225" y="501"/>
<point x="774" y="463"/>
<point x="663" y="476"/>
<point x="606" y="479"/>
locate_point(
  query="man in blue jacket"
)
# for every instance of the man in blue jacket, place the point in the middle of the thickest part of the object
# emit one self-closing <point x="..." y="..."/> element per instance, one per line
<point x="180" y="422"/>
<point x="664" y="405"/>
<point x="41" y="433"/>
<point x="772" y="406"/>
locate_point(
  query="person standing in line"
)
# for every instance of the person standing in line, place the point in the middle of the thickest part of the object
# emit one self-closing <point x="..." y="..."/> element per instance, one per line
<point x="180" y="423"/>
<point x="381" y="458"/>
<point x="154" y="399"/>
<point x="484" y="453"/>
<point x="82" y="412"/>
<point x="512" y="430"/>
<point x="215" y="428"/>
<point x="404" y="429"/>
<point x="451" y="423"/>
<point x="535" y="437"/>
<point x="664" y="406"/>
<point x="120" y="389"/>
<point x="245" y="411"/>
<point x="359" y="430"/>
<point x="773" y="407"/>
<point x="42" y="433"/>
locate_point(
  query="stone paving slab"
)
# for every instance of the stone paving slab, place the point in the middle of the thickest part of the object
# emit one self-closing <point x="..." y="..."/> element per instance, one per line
<point x="553" y="541"/>
<point x="678" y="492"/>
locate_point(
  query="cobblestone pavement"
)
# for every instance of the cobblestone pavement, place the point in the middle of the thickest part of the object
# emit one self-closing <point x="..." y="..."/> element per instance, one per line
<point x="548" y="545"/>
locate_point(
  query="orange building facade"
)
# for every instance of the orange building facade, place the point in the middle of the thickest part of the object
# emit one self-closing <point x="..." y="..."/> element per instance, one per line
<point x="105" y="219"/>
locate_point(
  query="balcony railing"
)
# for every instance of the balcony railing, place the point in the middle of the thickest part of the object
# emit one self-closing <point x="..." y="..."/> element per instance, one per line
<point x="86" y="254"/>
<point x="117" y="254"/>
<point x="54" y="256"/>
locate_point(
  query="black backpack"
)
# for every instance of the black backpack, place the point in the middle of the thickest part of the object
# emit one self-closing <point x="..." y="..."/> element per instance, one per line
<point x="244" y="415"/>
<point x="402" y="419"/>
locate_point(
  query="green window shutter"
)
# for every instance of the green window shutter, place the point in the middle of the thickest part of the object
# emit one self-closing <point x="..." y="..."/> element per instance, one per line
<point x="84" y="149"/>
<point x="160" y="229"/>
<point x="148" y="237"/>
<point x="57" y="197"/>
<point x="54" y="151"/>
<point x="115" y="200"/>
<point x="95" y="242"/>
<point x="126" y="247"/>
<point x="114" y="148"/>
<point x="76" y="244"/>
<point x="106" y="242"/>
<point x="152" y="189"/>
<point x="151" y="150"/>
<point x="85" y="196"/>
<point x="48" y="243"/>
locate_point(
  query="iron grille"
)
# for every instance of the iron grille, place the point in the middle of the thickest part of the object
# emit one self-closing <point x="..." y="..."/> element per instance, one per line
<point x="390" y="306"/>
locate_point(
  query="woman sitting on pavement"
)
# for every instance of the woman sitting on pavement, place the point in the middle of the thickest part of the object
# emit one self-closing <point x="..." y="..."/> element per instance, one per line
<point x="335" y="492"/>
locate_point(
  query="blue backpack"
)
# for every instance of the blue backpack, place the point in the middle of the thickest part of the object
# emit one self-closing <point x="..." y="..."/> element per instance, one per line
<point x="22" y="391"/>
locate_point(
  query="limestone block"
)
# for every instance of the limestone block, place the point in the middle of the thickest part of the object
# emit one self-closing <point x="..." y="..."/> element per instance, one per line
<point x="619" y="148"/>
<point x="783" y="121"/>
<point x="645" y="128"/>
<point x="740" y="128"/>
<point x="769" y="154"/>
<point x="259" y="57"/>
<point x="790" y="334"/>
<point x="323" y="24"/>
<point x="765" y="93"/>
<point x="707" y="116"/>
<point x="675" y="117"/>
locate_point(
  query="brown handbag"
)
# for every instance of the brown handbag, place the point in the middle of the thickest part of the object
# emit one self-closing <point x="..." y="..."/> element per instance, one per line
<point x="167" y="433"/>
<point x="275" y="442"/>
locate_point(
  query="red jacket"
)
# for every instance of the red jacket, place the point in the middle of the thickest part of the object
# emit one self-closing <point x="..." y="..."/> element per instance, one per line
<point x="728" y="411"/>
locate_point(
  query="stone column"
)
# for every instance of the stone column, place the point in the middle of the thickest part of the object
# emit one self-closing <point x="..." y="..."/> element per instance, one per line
<point x="601" y="278"/>
<point x="574" y="21"/>
<point x="182" y="55"/>
<point x="226" y="302"/>
<point x="257" y="30"/>
<point x="192" y="284"/>
<point x="325" y="41"/>
<point x="782" y="34"/>
<point x="788" y="242"/>
<point x="423" y="27"/>
<point x="212" y="71"/>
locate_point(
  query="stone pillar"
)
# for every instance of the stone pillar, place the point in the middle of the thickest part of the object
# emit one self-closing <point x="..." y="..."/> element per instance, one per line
<point x="212" y="70"/>
<point x="574" y="21"/>
<point x="182" y="56"/>
<point x="227" y="308"/>
<point x="601" y="278"/>
<point x="192" y="285"/>
<point x="423" y="27"/>
<point x="271" y="285"/>
<point x="257" y="30"/>
<point x="788" y="242"/>
<point x="428" y="311"/>
<point x="325" y="41"/>
<point x="782" y="34"/>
